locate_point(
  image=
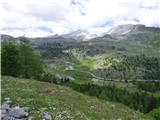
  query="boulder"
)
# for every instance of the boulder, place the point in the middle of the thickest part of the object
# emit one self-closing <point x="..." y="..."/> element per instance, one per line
<point x="18" y="112"/>
<point x="5" y="106"/>
<point x="47" y="116"/>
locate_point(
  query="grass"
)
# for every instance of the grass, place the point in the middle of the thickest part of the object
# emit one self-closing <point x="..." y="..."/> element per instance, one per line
<point x="155" y="113"/>
<point x="80" y="77"/>
<point x="87" y="64"/>
<point x="122" y="85"/>
<point x="157" y="94"/>
<point x="63" y="102"/>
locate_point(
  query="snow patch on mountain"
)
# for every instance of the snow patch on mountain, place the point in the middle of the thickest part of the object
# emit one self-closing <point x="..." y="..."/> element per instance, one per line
<point x="124" y="29"/>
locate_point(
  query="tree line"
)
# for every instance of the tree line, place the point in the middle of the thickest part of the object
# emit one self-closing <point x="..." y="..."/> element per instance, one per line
<point x="148" y="86"/>
<point x="126" y="67"/>
<point x="20" y="60"/>
<point x="138" y="100"/>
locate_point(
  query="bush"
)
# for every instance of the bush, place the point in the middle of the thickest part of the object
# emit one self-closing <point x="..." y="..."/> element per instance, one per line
<point x="48" y="77"/>
<point x="139" y="100"/>
<point x="155" y="113"/>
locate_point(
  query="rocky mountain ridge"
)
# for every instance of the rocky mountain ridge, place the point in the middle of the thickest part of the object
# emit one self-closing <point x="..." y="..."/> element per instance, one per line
<point x="120" y="32"/>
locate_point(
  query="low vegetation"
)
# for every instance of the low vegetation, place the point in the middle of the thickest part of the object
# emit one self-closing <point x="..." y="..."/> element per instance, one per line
<point x="138" y="100"/>
<point x="62" y="102"/>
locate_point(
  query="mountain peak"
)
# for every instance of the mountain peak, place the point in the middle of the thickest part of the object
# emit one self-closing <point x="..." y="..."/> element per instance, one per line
<point x="125" y="28"/>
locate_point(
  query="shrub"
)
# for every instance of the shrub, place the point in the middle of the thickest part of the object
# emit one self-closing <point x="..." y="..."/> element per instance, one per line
<point x="155" y="113"/>
<point x="48" y="77"/>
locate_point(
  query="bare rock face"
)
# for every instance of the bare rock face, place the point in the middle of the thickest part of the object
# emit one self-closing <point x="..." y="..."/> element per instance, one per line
<point x="126" y="28"/>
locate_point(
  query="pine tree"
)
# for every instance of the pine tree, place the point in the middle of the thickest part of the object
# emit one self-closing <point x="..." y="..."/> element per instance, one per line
<point x="10" y="62"/>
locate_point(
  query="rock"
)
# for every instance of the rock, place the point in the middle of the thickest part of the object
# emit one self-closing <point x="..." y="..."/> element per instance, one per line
<point x="12" y="118"/>
<point x="47" y="116"/>
<point x="18" y="112"/>
<point x="5" y="106"/>
<point x="26" y="109"/>
<point x="3" y="114"/>
<point x="8" y="118"/>
<point x="10" y="113"/>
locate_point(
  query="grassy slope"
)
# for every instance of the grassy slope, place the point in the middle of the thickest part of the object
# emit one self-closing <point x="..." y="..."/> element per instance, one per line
<point x="155" y="113"/>
<point x="62" y="100"/>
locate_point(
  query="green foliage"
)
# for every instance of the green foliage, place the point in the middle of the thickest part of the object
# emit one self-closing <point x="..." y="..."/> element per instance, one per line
<point x="48" y="77"/>
<point x="19" y="59"/>
<point x="155" y="113"/>
<point x="139" y="100"/>
<point x="148" y="86"/>
<point x="31" y="65"/>
<point x="10" y="59"/>
<point x="131" y="67"/>
<point x="79" y="76"/>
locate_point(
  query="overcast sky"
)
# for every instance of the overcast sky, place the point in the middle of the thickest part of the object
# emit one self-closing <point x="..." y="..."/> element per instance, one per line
<point x="48" y="17"/>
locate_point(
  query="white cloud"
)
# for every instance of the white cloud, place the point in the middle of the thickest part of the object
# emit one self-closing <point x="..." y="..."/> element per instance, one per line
<point x="63" y="16"/>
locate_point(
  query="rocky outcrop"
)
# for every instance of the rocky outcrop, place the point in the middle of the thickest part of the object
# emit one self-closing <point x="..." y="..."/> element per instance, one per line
<point x="13" y="113"/>
<point x="17" y="113"/>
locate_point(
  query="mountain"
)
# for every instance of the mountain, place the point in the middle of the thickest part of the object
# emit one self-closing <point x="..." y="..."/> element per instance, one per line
<point x="79" y="35"/>
<point x="124" y="39"/>
<point x="7" y="37"/>
<point x="76" y="36"/>
<point x="127" y="28"/>
<point x="121" y="32"/>
<point x="133" y="32"/>
<point x="129" y="32"/>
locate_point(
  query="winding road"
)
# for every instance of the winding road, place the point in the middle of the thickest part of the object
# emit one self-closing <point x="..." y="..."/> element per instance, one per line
<point x="100" y="78"/>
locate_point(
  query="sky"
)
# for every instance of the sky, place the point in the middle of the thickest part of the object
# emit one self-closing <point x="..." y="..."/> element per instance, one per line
<point x="37" y="18"/>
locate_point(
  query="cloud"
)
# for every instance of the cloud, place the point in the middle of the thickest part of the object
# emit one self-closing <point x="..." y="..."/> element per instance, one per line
<point x="48" y="17"/>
